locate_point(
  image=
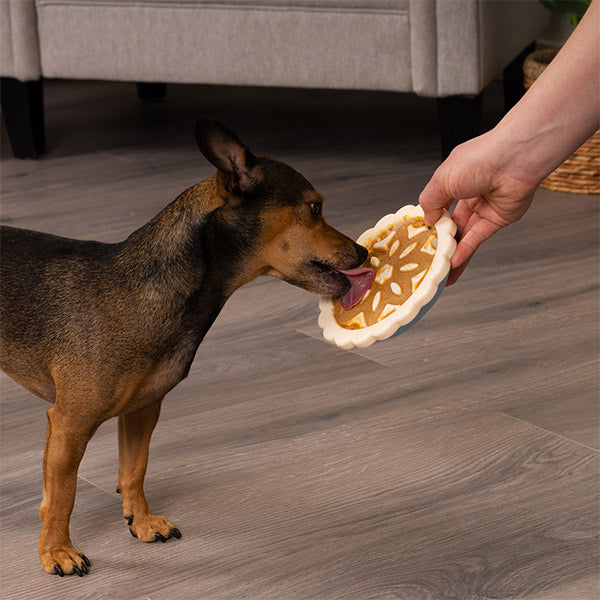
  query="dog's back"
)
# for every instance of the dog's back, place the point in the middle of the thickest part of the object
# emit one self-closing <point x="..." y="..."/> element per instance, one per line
<point x="38" y="298"/>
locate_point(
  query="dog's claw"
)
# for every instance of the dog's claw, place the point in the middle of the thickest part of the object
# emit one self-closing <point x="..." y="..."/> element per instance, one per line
<point x="59" y="571"/>
<point x="86" y="560"/>
<point x="76" y="570"/>
<point x="153" y="535"/>
<point x="83" y="568"/>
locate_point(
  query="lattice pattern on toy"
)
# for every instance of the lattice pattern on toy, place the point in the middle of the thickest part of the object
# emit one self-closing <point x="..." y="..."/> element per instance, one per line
<point x="401" y="257"/>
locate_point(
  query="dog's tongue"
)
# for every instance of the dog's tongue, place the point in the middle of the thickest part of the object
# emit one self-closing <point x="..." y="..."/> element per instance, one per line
<point x="360" y="282"/>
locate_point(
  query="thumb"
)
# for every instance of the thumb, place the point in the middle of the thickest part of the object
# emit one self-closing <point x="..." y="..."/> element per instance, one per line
<point x="434" y="199"/>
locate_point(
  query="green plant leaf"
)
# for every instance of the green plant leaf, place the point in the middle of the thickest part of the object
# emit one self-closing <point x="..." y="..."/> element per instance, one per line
<point x="570" y="10"/>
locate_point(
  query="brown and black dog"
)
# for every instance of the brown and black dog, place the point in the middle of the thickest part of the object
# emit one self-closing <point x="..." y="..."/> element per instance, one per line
<point x="106" y="330"/>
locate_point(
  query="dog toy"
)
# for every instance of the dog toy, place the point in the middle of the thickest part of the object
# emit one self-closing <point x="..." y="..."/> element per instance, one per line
<point x="405" y="273"/>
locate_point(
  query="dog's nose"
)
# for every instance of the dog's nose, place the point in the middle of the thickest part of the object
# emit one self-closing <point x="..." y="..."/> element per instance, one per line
<point x="361" y="252"/>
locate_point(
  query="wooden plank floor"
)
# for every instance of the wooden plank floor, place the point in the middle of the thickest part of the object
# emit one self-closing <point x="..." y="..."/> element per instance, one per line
<point x="457" y="461"/>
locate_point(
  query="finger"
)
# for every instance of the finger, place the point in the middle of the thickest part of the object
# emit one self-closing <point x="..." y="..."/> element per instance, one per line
<point x="434" y="199"/>
<point x="476" y="232"/>
<point x="456" y="273"/>
<point x="461" y="215"/>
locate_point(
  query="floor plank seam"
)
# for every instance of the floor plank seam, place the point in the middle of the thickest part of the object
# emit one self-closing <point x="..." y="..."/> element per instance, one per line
<point x="595" y="450"/>
<point x="94" y="485"/>
<point x="354" y="352"/>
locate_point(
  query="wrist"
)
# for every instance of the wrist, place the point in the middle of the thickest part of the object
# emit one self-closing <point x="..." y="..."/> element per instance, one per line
<point x="510" y="157"/>
<point x="531" y="154"/>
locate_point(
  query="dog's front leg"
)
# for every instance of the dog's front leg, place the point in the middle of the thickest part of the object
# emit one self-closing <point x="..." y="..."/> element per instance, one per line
<point x="135" y="431"/>
<point x="66" y="440"/>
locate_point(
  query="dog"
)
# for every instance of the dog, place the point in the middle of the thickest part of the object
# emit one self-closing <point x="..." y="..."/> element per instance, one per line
<point x="106" y="330"/>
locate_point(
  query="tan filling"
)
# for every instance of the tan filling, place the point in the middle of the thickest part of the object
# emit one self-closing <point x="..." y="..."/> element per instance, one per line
<point x="401" y="257"/>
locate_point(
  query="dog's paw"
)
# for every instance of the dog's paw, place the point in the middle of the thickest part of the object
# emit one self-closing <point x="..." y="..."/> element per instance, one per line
<point x="151" y="528"/>
<point x="65" y="561"/>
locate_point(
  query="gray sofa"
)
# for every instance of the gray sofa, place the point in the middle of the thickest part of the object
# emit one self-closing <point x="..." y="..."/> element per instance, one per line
<point x="448" y="49"/>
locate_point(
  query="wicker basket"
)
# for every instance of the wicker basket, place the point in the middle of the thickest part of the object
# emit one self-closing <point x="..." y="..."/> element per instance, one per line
<point x="580" y="173"/>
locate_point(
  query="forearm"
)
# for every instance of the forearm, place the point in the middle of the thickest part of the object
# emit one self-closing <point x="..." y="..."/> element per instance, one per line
<point x="561" y="109"/>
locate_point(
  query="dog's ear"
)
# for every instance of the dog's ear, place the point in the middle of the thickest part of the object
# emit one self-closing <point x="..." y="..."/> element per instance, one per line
<point x="227" y="152"/>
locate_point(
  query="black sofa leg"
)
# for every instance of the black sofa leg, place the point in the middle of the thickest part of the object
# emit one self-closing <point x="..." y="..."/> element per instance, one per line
<point x="513" y="79"/>
<point x="23" y="110"/>
<point x="459" y="120"/>
<point x="150" y="91"/>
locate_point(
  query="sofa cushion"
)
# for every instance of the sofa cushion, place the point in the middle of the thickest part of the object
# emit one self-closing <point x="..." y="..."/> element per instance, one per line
<point x="303" y="43"/>
<point x="360" y="5"/>
<point x="284" y="4"/>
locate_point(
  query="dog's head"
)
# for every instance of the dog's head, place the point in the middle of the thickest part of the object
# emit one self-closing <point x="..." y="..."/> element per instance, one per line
<point x="279" y="215"/>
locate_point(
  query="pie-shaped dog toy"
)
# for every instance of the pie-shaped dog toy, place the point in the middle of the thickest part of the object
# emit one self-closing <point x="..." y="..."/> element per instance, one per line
<point x="410" y="263"/>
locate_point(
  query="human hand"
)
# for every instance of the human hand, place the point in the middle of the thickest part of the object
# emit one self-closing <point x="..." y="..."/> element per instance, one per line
<point x="491" y="194"/>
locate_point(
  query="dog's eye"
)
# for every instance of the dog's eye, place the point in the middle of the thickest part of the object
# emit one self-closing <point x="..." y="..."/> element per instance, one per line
<point x="316" y="209"/>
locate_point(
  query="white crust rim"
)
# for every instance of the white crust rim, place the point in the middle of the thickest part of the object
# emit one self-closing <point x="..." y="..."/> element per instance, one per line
<point x="409" y="311"/>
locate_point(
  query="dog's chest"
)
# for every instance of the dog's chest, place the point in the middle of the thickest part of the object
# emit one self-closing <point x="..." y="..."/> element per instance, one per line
<point x="167" y="371"/>
<point x="148" y="385"/>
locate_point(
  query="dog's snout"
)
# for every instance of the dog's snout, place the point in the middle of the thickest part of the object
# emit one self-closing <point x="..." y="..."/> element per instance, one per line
<point x="351" y="256"/>
<point x="361" y="252"/>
